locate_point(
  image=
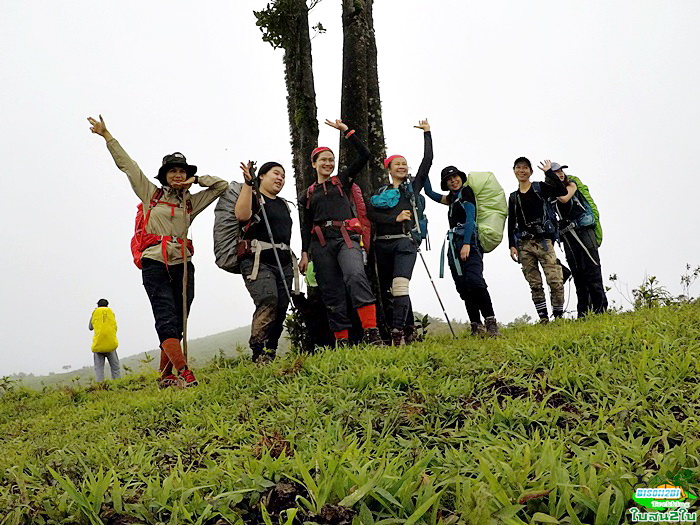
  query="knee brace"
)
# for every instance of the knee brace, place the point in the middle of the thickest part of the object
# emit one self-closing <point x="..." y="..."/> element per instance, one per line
<point x="399" y="286"/>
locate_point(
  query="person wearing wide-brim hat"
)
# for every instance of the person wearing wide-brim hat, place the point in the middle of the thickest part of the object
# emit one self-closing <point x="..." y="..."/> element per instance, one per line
<point x="464" y="252"/>
<point x="162" y="249"/>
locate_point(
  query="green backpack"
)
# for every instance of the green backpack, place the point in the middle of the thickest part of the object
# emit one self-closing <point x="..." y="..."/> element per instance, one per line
<point x="585" y="192"/>
<point x="491" y="208"/>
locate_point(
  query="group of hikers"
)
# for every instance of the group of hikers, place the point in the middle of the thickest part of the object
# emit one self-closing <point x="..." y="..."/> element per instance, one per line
<point x="253" y="231"/>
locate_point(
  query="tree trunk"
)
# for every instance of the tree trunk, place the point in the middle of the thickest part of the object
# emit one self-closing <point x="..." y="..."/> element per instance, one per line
<point x="360" y="100"/>
<point x="285" y="24"/>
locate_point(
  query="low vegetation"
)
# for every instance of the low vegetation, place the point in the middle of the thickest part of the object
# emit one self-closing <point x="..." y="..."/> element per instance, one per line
<point x="549" y="424"/>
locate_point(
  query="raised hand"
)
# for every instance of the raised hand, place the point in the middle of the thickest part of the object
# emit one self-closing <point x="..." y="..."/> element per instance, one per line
<point x="245" y="168"/>
<point x="184" y="185"/>
<point x="337" y="124"/>
<point x="423" y="124"/>
<point x="99" y="127"/>
<point x="545" y="165"/>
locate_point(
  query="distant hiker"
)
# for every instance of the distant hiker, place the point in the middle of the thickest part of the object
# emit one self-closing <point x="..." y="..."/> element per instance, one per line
<point x="577" y="231"/>
<point x="330" y="236"/>
<point x="465" y="255"/>
<point x="532" y="231"/>
<point x="161" y="247"/>
<point x="104" y="341"/>
<point x="261" y="273"/>
<point x="392" y="210"/>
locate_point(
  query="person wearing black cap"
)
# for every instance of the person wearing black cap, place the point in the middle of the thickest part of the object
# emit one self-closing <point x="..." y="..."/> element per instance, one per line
<point x="577" y="231"/>
<point x="162" y="249"/>
<point x="267" y="286"/>
<point x="464" y="253"/>
<point x="532" y="231"/>
<point x="104" y="340"/>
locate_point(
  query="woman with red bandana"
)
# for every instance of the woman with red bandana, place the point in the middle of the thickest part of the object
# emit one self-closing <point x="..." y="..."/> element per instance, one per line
<point x="392" y="212"/>
<point x="330" y="238"/>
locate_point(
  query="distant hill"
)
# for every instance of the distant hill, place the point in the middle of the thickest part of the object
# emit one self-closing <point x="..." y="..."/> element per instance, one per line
<point x="201" y="351"/>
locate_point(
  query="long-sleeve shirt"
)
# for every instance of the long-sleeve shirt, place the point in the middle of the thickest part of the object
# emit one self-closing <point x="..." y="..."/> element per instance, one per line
<point x="526" y="209"/>
<point x="462" y="209"/>
<point x="326" y="201"/>
<point x="384" y="219"/>
<point x="166" y="220"/>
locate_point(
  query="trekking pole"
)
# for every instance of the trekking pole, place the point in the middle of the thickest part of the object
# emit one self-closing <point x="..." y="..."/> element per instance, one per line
<point x="261" y="201"/>
<point x="437" y="294"/>
<point x="415" y="211"/>
<point x="185" y="280"/>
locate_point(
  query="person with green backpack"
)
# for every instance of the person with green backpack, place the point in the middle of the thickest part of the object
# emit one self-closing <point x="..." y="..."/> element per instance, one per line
<point x="465" y="253"/>
<point x="579" y="224"/>
<point x="397" y="235"/>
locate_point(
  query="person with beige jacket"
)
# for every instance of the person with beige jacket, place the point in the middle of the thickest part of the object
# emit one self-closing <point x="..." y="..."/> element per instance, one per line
<point x="161" y="249"/>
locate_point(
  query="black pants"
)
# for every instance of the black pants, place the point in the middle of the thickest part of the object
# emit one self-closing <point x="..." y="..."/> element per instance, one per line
<point x="164" y="288"/>
<point x="271" y="302"/>
<point x="395" y="258"/>
<point x="339" y="268"/>
<point x="586" y="271"/>
<point x="471" y="285"/>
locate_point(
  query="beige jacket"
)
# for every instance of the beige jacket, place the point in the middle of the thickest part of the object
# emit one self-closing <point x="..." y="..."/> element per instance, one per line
<point x="166" y="220"/>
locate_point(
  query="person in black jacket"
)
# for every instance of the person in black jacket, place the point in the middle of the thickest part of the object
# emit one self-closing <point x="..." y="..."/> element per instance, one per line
<point x="267" y="284"/>
<point x="464" y="253"/>
<point x="576" y="228"/>
<point x="532" y="231"/>
<point x="392" y="211"/>
<point x="330" y="237"/>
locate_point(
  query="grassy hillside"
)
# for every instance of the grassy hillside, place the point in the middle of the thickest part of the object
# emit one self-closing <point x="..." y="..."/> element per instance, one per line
<point x="549" y="424"/>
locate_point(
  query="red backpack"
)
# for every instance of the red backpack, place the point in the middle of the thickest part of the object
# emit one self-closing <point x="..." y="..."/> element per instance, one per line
<point x="357" y="203"/>
<point x="142" y="240"/>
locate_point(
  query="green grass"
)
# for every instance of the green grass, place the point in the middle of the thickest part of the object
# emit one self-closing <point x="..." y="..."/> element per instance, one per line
<point x="549" y="424"/>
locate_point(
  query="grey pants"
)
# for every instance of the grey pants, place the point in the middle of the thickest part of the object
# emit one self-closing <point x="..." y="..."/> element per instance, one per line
<point x="113" y="359"/>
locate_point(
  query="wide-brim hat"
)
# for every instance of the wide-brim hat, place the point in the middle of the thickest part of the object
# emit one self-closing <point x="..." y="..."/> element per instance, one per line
<point x="448" y="172"/>
<point x="173" y="160"/>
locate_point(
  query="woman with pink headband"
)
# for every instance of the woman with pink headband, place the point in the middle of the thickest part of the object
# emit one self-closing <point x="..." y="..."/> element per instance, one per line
<point x="392" y="211"/>
<point x="330" y="236"/>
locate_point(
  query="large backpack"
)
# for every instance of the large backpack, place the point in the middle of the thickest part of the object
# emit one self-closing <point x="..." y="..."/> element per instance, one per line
<point x="142" y="239"/>
<point x="357" y="203"/>
<point x="585" y="195"/>
<point x="491" y="208"/>
<point x="227" y="230"/>
<point x="383" y="199"/>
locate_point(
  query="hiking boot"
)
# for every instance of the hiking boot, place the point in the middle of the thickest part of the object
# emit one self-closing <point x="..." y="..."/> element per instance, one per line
<point x="492" y="326"/>
<point x="343" y="342"/>
<point x="187" y="378"/>
<point x="372" y="337"/>
<point x="396" y="337"/>
<point x="409" y="334"/>
<point x="544" y="320"/>
<point x="478" y="329"/>
<point x="167" y="381"/>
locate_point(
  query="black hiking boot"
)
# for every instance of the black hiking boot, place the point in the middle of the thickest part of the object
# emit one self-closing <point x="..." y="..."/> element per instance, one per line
<point x="492" y="326"/>
<point x="372" y="337"/>
<point x="397" y="337"/>
<point x="409" y="334"/>
<point x="478" y="329"/>
<point x="343" y="342"/>
<point x="544" y="320"/>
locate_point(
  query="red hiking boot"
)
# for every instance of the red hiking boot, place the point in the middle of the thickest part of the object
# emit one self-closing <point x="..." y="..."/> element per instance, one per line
<point x="167" y="381"/>
<point x="187" y="378"/>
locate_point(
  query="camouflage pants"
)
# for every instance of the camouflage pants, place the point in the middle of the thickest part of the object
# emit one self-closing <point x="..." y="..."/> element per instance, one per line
<point x="531" y="253"/>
